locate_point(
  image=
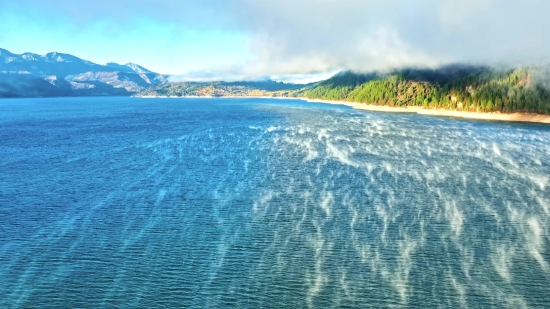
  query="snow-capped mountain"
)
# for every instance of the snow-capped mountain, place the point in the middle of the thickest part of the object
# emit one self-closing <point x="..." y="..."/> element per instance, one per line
<point x="58" y="74"/>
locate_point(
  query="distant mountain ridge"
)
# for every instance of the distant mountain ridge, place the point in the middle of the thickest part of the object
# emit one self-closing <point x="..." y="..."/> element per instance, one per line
<point x="128" y="67"/>
<point x="268" y="88"/>
<point x="455" y="87"/>
<point x="59" y="74"/>
<point x="55" y="63"/>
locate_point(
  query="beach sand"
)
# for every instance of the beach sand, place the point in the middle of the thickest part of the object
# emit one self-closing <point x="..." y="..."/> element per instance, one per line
<point x="519" y="117"/>
<point x="522" y="117"/>
<point x="370" y="107"/>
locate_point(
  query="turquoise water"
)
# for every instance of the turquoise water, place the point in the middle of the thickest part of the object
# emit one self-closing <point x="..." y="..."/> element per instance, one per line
<point x="259" y="203"/>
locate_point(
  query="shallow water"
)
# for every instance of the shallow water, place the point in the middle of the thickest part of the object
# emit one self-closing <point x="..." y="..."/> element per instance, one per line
<point x="259" y="203"/>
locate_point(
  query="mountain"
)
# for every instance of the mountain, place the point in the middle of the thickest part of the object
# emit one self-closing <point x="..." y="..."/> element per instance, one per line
<point x="128" y="67"/>
<point x="452" y="87"/>
<point x="58" y="74"/>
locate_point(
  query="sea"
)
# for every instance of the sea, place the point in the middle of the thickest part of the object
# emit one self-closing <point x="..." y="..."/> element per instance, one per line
<point x="113" y="202"/>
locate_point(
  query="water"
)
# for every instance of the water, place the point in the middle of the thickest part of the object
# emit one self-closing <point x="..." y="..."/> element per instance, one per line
<point x="258" y="203"/>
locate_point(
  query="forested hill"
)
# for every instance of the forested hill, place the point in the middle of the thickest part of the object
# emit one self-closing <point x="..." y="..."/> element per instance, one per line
<point x="455" y="87"/>
<point x="226" y="89"/>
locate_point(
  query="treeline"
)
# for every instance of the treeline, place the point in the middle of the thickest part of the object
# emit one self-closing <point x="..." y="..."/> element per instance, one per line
<point x="339" y="86"/>
<point x="456" y="87"/>
<point x="465" y="88"/>
<point x="393" y="91"/>
<point x="219" y="89"/>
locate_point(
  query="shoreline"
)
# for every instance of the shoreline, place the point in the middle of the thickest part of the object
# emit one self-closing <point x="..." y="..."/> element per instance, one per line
<point x="369" y="107"/>
<point x="494" y="116"/>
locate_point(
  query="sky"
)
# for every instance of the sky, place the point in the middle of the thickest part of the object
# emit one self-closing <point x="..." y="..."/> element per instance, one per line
<point x="292" y="40"/>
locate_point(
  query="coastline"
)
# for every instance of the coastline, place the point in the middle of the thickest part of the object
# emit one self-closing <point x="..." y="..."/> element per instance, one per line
<point x="513" y="117"/>
<point x="369" y="107"/>
<point x="494" y="116"/>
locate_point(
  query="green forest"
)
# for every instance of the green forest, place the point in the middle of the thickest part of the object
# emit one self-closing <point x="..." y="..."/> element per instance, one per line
<point x="464" y="88"/>
<point x="454" y="87"/>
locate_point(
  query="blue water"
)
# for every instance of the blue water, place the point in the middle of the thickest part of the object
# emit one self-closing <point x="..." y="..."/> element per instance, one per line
<point x="259" y="203"/>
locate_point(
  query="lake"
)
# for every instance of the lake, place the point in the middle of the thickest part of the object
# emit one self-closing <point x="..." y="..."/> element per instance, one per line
<point x="265" y="203"/>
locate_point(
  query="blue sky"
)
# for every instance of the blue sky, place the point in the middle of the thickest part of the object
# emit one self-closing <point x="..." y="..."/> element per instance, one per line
<point x="297" y="40"/>
<point x="161" y="44"/>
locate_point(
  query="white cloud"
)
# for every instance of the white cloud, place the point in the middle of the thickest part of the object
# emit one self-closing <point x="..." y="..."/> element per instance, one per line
<point x="313" y="36"/>
<point x="308" y="36"/>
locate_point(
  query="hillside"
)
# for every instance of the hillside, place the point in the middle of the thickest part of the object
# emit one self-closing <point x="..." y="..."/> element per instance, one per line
<point x="452" y="87"/>
<point x="57" y="74"/>
<point x="228" y="89"/>
<point x="463" y="88"/>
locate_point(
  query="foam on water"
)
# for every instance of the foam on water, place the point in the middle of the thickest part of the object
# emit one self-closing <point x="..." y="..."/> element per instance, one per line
<point x="268" y="204"/>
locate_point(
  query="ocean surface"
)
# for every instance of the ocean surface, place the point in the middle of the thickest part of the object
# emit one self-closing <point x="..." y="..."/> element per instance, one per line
<point x="265" y="203"/>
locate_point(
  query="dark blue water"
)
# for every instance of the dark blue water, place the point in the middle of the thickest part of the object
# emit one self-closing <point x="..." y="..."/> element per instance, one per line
<point x="258" y="203"/>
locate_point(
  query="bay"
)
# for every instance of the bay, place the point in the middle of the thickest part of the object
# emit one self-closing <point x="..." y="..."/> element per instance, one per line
<point x="265" y="203"/>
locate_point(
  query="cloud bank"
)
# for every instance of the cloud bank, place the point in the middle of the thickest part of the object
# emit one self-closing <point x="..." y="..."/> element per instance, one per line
<point x="304" y="37"/>
<point x="309" y="35"/>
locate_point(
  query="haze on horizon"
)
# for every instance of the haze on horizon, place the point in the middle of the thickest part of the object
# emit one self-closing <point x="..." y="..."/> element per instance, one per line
<point x="301" y="40"/>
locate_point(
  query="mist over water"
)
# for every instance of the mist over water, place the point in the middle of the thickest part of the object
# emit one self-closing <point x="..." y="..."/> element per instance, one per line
<point x="258" y="203"/>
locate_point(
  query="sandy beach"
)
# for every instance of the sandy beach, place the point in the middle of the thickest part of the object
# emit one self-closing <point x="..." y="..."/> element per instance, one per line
<point x="370" y="107"/>
<point x="521" y="117"/>
<point x="518" y="117"/>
